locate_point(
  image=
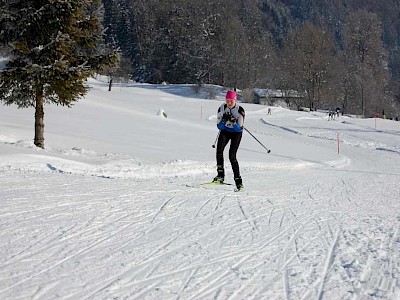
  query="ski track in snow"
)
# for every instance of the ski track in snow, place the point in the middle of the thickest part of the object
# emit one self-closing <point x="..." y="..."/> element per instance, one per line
<point x="205" y="244"/>
<point x="310" y="224"/>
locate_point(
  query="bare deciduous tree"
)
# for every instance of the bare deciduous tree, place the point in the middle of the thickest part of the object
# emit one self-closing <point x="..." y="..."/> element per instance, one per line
<point x="366" y="58"/>
<point x="307" y="57"/>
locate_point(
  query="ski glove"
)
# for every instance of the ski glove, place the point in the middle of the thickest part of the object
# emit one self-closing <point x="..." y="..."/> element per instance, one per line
<point x="228" y="117"/>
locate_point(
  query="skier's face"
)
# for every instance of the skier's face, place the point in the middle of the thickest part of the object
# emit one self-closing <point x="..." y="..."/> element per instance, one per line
<point x="230" y="102"/>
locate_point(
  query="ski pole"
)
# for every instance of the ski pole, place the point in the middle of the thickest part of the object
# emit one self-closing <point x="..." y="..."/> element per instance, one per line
<point x="216" y="139"/>
<point x="268" y="151"/>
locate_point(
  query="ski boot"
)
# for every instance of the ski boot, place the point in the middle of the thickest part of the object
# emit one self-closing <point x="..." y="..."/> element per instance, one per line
<point x="218" y="180"/>
<point x="239" y="184"/>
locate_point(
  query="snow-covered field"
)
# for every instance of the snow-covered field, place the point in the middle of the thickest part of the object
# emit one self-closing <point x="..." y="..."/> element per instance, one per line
<point x="104" y="212"/>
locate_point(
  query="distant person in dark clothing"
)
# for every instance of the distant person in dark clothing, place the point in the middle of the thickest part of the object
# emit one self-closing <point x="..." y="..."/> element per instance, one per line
<point x="337" y="112"/>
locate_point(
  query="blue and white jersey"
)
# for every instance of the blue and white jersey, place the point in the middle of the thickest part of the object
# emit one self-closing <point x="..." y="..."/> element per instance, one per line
<point x="230" y="119"/>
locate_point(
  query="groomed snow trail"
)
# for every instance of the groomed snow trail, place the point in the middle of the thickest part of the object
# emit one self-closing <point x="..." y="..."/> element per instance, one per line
<point x="318" y="235"/>
<point x="104" y="211"/>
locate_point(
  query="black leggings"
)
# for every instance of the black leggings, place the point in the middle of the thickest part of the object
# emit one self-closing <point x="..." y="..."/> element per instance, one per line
<point x="223" y="139"/>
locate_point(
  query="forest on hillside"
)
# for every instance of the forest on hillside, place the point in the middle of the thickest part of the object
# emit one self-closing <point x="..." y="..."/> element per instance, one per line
<point x="340" y="53"/>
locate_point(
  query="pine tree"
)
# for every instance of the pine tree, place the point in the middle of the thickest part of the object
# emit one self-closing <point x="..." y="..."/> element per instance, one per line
<point x="53" y="49"/>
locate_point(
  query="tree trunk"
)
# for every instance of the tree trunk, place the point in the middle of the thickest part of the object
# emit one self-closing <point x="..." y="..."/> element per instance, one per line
<point x="362" y="90"/>
<point x="39" y="119"/>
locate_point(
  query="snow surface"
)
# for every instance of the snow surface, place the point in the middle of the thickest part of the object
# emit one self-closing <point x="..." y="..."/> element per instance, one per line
<point x="104" y="212"/>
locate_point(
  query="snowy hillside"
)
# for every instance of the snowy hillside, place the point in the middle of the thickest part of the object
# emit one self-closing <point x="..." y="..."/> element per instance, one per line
<point x="104" y="212"/>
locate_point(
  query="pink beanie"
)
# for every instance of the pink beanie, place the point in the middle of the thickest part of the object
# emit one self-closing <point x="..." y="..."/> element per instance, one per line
<point x="230" y="95"/>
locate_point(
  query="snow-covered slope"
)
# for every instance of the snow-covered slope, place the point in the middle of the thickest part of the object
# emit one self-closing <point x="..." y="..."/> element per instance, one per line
<point x="105" y="211"/>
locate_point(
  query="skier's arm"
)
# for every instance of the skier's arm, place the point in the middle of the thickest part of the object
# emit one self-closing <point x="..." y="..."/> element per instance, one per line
<point x="240" y="120"/>
<point x="220" y="114"/>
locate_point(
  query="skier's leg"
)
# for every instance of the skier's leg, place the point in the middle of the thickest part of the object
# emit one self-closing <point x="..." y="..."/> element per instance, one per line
<point x="223" y="140"/>
<point x="235" y="142"/>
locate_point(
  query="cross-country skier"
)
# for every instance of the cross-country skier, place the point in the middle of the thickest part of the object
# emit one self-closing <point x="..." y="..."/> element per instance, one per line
<point x="230" y="123"/>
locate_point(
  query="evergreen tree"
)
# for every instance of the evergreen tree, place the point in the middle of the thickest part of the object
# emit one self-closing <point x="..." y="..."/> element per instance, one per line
<point x="53" y="49"/>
